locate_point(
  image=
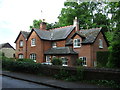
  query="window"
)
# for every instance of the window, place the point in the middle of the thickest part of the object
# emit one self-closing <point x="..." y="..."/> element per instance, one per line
<point x="20" y="56"/>
<point x="64" y="61"/>
<point x="33" y="42"/>
<point x="100" y="43"/>
<point x="76" y="43"/>
<point x="54" y="45"/>
<point x="21" y="43"/>
<point x="84" y="61"/>
<point x="33" y="57"/>
<point x="53" y="56"/>
<point x="48" y="58"/>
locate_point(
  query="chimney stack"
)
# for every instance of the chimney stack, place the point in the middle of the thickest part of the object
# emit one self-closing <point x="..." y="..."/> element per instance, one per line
<point x="43" y="25"/>
<point x="76" y="23"/>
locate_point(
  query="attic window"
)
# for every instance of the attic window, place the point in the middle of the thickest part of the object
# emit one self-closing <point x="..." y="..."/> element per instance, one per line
<point x="76" y="43"/>
<point x="33" y="42"/>
<point x="100" y="43"/>
<point x="21" y="43"/>
<point x="54" y="45"/>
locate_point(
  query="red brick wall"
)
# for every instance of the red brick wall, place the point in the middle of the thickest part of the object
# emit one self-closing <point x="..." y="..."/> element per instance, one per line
<point x="84" y="51"/>
<point x="95" y="46"/>
<point x="21" y="50"/>
<point x="38" y="49"/>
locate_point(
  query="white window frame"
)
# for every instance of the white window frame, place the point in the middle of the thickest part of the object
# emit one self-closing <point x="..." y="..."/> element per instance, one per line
<point x="100" y="43"/>
<point x="53" y="56"/>
<point x="33" y="42"/>
<point x="33" y="56"/>
<point x="48" y="58"/>
<point x="20" y="56"/>
<point x="54" y="45"/>
<point x="84" y="59"/>
<point x="75" y="43"/>
<point x="21" y="43"/>
<point x="63" y="61"/>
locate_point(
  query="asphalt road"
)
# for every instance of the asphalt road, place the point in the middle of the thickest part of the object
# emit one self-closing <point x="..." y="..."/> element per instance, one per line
<point x="8" y="82"/>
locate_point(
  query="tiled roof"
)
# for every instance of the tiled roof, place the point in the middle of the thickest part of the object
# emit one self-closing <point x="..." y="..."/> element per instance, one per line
<point x="60" y="50"/>
<point x="55" y="34"/>
<point x="24" y="33"/>
<point x="88" y="35"/>
<point x="5" y="45"/>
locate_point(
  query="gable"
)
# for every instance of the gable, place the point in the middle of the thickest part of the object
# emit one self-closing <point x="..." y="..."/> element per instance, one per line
<point x="24" y="34"/>
<point x="6" y="45"/>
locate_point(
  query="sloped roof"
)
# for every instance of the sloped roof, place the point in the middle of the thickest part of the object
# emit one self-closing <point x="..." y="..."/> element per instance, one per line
<point x="5" y="45"/>
<point x="60" y="50"/>
<point x="54" y="34"/>
<point x="88" y="35"/>
<point x="24" y="33"/>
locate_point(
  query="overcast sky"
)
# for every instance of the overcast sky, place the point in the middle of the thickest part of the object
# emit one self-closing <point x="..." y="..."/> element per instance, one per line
<point x="16" y="15"/>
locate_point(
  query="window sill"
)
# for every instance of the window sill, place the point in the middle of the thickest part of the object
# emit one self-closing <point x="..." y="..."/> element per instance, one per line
<point x="33" y="45"/>
<point x="100" y="47"/>
<point x="76" y="46"/>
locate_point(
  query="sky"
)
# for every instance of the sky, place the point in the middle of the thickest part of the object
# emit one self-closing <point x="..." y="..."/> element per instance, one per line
<point x="18" y="15"/>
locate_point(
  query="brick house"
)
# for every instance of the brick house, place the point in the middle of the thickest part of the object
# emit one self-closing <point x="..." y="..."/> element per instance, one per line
<point x="67" y="43"/>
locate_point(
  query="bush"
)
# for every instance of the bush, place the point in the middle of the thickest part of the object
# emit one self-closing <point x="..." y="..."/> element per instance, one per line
<point x="21" y="66"/>
<point x="26" y="60"/>
<point x="56" y="61"/>
<point x="79" y="62"/>
<point x="102" y="58"/>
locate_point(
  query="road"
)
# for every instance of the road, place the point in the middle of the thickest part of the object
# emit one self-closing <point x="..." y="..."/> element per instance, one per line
<point x="8" y="82"/>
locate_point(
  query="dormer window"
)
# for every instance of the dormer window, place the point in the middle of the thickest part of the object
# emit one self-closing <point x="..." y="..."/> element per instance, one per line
<point x="76" y="43"/>
<point x="33" y="40"/>
<point x="21" y="43"/>
<point x="54" y="45"/>
<point x="100" y="43"/>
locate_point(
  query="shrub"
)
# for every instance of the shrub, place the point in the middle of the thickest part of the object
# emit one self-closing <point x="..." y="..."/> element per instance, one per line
<point x="80" y="74"/>
<point x="79" y="62"/>
<point x="26" y="60"/>
<point x="56" y="61"/>
<point x="102" y="58"/>
<point x="21" y="66"/>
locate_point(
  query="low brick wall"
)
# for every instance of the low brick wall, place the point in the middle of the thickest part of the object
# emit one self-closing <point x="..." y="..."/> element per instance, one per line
<point x="88" y="73"/>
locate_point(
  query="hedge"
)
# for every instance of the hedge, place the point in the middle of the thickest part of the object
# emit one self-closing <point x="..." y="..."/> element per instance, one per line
<point x="102" y="58"/>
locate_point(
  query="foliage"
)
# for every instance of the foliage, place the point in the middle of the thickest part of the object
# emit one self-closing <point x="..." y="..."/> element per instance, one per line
<point x="79" y="62"/>
<point x="21" y="66"/>
<point x="36" y="24"/>
<point x="106" y="83"/>
<point x="56" y="61"/>
<point x="114" y="61"/>
<point x="80" y="73"/>
<point x="102" y="58"/>
<point x="89" y="14"/>
<point x="26" y="60"/>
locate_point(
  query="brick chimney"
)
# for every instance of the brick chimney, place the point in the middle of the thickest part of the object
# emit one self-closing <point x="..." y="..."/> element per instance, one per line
<point x="43" y="25"/>
<point x="76" y="24"/>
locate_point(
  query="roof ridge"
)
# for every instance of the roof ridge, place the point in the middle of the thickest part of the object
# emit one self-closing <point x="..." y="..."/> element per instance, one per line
<point x="61" y="27"/>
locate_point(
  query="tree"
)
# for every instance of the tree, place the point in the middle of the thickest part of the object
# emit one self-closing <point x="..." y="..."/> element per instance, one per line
<point x="89" y="14"/>
<point x="114" y="57"/>
<point x="36" y="24"/>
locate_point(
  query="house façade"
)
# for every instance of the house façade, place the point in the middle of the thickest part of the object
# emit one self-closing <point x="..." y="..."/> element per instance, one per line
<point x="67" y="43"/>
